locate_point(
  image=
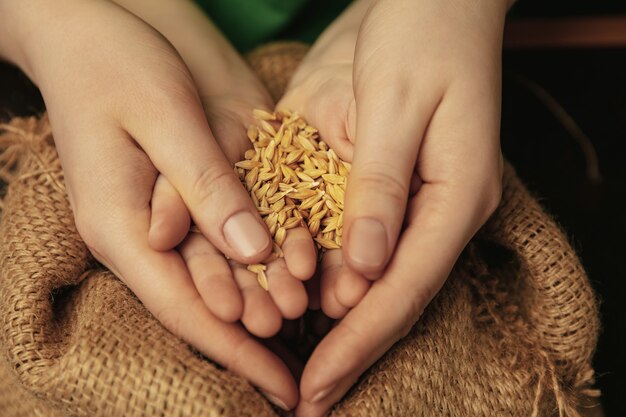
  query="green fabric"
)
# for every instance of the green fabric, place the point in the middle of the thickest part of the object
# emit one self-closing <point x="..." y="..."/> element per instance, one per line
<point x="249" y="23"/>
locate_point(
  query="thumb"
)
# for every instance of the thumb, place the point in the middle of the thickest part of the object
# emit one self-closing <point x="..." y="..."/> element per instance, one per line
<point x="389" y="127"/>
<point x="182" y="147"/>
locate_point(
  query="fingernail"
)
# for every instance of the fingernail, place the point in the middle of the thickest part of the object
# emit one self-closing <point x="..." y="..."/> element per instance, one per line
<point x="274" y="400"/>
<point x="323" y="393"/>
<point x="368" y="243"/>
<point x="245" y="234"/>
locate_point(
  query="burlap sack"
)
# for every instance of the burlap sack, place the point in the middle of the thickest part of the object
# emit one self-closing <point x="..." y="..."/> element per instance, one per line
<point x="512" y="333"/>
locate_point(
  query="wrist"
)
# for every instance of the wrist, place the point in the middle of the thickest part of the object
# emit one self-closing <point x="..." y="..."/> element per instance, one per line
<point x="25" y="27"/>
<point x="197" y="40"/>
<point x="13" y="32"/>
<point x="336" y="45"/>
<point x="337" y="42"/>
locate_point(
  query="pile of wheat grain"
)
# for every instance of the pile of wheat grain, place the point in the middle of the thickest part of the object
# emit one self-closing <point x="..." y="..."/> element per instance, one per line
<point x="294" y="180"/>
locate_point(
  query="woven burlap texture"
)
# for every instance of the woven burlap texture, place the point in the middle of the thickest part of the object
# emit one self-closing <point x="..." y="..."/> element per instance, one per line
<point x="512" y="333"/>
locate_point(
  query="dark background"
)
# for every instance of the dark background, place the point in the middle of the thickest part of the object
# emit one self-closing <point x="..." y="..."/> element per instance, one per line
<point x="590" y="84"/>
<point x="560" y="8"/>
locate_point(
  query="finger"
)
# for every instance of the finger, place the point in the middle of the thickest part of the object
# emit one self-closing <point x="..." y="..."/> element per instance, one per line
<point x="390" y="124"/>
<point x="437" y="230"/>
<point x="160" y="281"/>
<point x="350" y="287"/>
<point x="331" y="268"/>
<point x="300" y="253"/>
<point x="394" y="303"/>
<point x="287" y="292"/>
<point x="116" y="227"/>
<point x="212" y="276"/>
<point x="260" y="315"/>
<point x="329" y="107"/>
<point x="182" y="147"/>
<point x="169" y="221"/>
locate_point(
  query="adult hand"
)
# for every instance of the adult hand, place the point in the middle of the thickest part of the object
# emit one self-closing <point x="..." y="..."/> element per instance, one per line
<point x="426" y="170"/>
<point x="124" y="109"/>
<point x="229" y="92"/>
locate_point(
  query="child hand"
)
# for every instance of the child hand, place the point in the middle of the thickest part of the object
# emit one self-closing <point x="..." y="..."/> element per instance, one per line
<point x="424" y="98"/>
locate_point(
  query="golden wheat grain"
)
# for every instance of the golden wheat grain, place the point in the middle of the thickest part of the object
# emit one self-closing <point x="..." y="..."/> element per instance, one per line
<point x="294" y="180"/>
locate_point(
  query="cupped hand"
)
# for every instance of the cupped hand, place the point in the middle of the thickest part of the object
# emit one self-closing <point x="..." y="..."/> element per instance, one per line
<point x="230" y="291"/>
<point x="229" y="92"/>
<point x="125" y="110"/>
<point x="421" y="105"/>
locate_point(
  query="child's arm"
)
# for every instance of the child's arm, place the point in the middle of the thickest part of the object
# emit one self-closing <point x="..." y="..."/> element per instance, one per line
<point x="417" y="93"/>
<point x="125" y="109"/>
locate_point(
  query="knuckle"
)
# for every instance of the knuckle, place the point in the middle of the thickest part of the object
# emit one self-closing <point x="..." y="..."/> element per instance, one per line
<point x="400" y="97"/>
<point x="383" y="180"/>
<point x="356" y="341"/>
<point x="414" y="310"/>
<point x="164" y="95"/>
<point x="170" y="96"/>
<point x="193" y="247"/>
<point x="175" y="315"/>
<point x="171" y="318"/>
<point x="210" y="277"/>
<point x="236" y="360"/>
<point x="411" y="304"/>
<point x="172" y="80"/>
<point x="212" y="182"/>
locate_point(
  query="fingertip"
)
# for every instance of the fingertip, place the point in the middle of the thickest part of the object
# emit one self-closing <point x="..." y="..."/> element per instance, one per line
<point x="212" y="278"/>
<point x="308" y="409"/>
<point x="260" y="316"/>
<point x="168" y="229"/>
<point x="275" y="400"/>
<point x="248" y="237"/>
<point x="350" y="287"/>
<point x="300" y="253"/>
<point x="287" y="292"/>
<point x="229" y="315"/>
<point x="297" y="305"/>
<point x="169" y="219"/>
<point x="332" y="307"/>
<point x="296" y="311"/>
<point x="344" y="148"/>
<point x="266" y="327"/>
